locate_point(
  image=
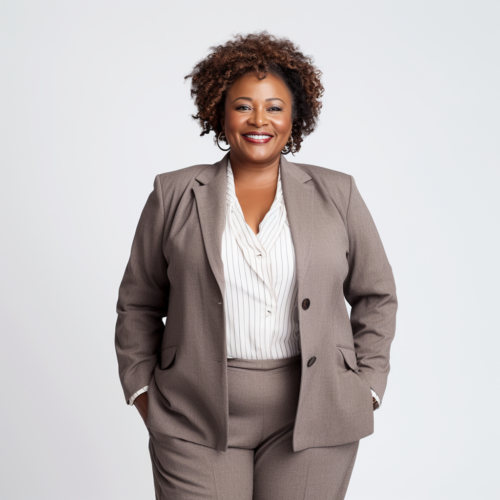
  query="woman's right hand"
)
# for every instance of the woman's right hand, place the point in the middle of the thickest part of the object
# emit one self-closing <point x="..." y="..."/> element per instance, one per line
<point x="141" y="403"/>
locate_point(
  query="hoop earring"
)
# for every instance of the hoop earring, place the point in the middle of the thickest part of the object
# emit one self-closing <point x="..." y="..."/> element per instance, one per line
<point x="222" y="149"/>
<point x="288" y="147"/>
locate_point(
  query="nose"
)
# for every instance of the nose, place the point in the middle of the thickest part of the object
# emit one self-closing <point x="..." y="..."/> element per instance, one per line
<point x="258" y="117"/>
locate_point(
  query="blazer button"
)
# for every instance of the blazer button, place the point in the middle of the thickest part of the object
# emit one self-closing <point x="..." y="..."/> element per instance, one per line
<point x="311" y="361"/>
<point x="306" y="303"/>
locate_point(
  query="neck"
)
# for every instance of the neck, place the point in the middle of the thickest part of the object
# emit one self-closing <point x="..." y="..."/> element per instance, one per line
<point x="255" y="174"/>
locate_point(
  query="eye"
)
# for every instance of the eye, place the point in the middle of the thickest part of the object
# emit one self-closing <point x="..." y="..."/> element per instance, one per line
<point x="275" y="108"/>
<point x="243" y="106"/>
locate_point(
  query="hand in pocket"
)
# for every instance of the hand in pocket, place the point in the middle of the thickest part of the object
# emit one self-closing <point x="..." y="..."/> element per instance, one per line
<point x="141" y="403"/>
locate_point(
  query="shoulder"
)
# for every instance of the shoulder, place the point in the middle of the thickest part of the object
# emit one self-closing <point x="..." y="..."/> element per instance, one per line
<point x="330" y="183"/>
<point x="180" y="176"/>
<point x="326" y="175"/>
<point x="175" y="183"/>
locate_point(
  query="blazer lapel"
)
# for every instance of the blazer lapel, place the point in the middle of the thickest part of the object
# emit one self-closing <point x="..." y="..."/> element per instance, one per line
<point x="299" y="196"/>
<point x="211" y="201"/>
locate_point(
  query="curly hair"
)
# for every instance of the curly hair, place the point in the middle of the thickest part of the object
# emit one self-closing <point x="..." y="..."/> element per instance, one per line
<point x="260" y="53"/>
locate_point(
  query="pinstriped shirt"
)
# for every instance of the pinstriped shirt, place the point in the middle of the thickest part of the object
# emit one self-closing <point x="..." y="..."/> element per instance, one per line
<point x="261" y="286"/>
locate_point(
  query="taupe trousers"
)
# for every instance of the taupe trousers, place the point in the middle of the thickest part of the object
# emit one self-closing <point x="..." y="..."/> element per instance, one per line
<point x="259" y="463"/>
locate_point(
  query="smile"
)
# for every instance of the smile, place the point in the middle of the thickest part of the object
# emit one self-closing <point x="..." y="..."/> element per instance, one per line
<point x="258" y="138"/>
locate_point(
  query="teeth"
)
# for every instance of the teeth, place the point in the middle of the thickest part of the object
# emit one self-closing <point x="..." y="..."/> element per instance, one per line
<point x="260" y="136"/>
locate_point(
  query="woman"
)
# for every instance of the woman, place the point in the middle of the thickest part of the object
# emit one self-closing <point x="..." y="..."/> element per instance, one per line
<point x="259" y="385"/>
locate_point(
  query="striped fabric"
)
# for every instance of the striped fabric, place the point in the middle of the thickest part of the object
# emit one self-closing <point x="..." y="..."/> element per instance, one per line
<point x="261" y="286"/>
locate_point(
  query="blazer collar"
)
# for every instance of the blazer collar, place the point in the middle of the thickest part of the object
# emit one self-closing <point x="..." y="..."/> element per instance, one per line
<point x="299" y="196"/>
<point x="217" y="169"/>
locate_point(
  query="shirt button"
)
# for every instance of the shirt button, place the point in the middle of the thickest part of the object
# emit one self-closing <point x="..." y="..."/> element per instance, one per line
<point x="306" y="303"/>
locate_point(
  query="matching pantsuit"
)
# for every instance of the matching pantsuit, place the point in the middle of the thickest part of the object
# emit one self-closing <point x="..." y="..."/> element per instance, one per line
<point x="275" y="410"/>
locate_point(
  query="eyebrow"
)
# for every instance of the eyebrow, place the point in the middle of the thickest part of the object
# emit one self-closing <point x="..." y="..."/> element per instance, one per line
<point x="270" y="99"/>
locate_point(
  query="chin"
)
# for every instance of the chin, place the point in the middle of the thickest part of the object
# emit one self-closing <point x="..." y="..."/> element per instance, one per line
<point x="259" y="156"/>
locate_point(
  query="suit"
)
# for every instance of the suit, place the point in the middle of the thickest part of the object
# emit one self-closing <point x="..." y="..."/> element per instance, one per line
<point x="175" y="271"/>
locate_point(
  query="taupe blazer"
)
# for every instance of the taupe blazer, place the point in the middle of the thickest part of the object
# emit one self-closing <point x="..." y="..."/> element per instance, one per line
<point x="175" y="271"/>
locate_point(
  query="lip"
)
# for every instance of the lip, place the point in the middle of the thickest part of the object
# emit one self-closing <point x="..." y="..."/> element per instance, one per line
<point x="265" y="137"/>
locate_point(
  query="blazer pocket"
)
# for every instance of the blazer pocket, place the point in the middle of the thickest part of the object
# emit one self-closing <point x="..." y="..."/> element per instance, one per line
<point x="167" y="356"/>
<point x="349" y="358"/>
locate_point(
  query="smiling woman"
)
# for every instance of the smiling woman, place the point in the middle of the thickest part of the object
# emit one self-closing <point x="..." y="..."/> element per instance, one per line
<point x="257" y="55"/>
<point x="262" y="96"/>
<point x="257" y="118"/>
<point x="250" y="259"/>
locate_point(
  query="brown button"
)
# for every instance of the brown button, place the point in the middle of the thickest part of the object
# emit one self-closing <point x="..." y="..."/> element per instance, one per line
<point x="306" y="303"/>
<point x="311" y="361"/>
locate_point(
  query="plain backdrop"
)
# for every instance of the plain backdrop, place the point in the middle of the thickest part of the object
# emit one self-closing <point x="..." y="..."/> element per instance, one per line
<point x="93" y="104"/>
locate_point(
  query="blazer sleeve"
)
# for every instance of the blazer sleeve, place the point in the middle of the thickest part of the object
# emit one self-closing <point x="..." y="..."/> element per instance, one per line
<point x="370" y="289"/>
<point x="143" y="299"/>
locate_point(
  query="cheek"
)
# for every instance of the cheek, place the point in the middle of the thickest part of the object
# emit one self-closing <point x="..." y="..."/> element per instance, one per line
<point x="283" y="125"/>
<point x="233" y="122"/>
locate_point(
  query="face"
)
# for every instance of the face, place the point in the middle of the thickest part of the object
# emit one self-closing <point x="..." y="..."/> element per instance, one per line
<point x="257" y="118"/>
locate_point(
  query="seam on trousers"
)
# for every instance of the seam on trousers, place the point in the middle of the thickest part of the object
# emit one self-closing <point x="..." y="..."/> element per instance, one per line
<point x="156" y="483"/>
<point x="347" y="476"/>
<point x="215" y="480"/>
<point x="308" y="469"/>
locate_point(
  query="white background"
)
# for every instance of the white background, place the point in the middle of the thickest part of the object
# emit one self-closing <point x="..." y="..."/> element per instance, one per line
<point x="93" y="105"/>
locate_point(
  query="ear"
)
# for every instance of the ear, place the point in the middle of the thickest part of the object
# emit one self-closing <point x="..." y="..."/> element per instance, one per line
<point x="222" y="124"/>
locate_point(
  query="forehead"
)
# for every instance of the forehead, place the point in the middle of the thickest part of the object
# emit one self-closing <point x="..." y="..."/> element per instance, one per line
<point x="250" y="86"/>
